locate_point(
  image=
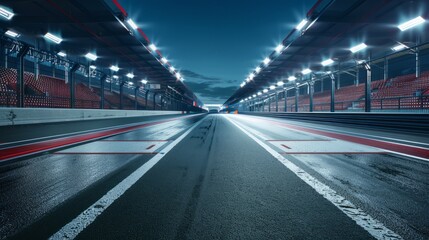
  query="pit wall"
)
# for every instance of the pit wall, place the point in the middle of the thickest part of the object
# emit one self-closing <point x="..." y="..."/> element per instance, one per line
<point x="18" y="116"/>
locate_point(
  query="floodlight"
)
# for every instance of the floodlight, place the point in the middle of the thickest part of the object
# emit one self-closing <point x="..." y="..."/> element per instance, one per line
<point x="327" y="62"/>
<point x="267" y="61"/>
<point x="130" y="75"/>
<point x="114" y="68"/>
<point x="280" y="83"/>
<point x="11" y="33"/>
<point x="153" y="47"/>
<point x="399" y="47"/>
<point x="132" y="24"/>
<point x="358" y="47"/>
<point x="259" y="93"/>
<point x="115" y="76"/>
<point x="306" y="71"/>
<point x="130" y="83"/>
<point x="254" y="95"/>
<point x="164" y="60"/>
<point x="279" y="48"/>
<point x="258" y="69"/>
<point x="272" y="87"/>
<point x="301" y="24"/>
<point x="91" y="56"/>
<point x="172" y="69"/>
<point x="411" y="23"/>
<point x="251" y="76"/>
<point x="62" y="54"/>
<point x="178" y="76"/>
<point x="92" y="66"/>
<point x="53" y="38"/>
<point x="265" y="90"/>
<point x="291" y="78"/>
<point x="144" y="81"/>
<point x="6" y="13"/>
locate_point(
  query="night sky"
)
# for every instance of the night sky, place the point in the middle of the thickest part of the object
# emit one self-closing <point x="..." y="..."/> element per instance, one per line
<point x="216" y="44"/>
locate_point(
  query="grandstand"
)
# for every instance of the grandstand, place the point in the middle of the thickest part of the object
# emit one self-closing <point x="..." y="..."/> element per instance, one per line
<point x="46" y="73"/>
<point x="325" y="65"/>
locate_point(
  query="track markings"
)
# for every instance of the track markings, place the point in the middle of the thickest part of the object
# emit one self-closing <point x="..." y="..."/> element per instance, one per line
<point x="416" y="152"/>
<point x="334" y="146"/>
<point x="367" y="222"/>
<point x="110" y="147"/>
<point x="77" y="225"/>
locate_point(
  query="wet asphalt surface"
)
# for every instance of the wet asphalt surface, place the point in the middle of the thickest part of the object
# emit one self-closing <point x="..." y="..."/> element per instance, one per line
<point x="217" y="183"/>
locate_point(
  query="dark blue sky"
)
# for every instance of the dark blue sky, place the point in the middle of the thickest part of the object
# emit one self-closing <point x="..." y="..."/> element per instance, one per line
<point x="216" y="44"/>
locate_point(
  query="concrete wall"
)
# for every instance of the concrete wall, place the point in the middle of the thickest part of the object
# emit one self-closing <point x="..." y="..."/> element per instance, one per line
<point x="15" y="116"/>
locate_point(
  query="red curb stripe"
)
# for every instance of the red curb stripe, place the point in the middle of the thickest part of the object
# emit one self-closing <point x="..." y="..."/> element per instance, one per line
<point x="394" y="147"/>
<point x="24" y="150"/>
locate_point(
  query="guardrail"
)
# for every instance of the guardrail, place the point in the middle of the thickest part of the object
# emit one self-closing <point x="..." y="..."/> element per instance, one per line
<point x="416" y="122"/>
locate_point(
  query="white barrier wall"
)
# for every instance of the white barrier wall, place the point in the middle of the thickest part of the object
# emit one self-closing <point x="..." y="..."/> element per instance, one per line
<point x="15" y="116"/>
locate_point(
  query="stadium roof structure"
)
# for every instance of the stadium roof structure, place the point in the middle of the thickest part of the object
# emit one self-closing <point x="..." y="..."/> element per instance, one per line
<point x="100" y="27"/>
<point x="328" y="34"/>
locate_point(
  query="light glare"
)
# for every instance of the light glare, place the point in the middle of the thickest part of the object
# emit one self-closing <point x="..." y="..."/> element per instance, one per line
<point x="411" y="23"/>
<point x="301" y="24"/>
<point x="11" y="33"/>
<point x="132" y="24"/>
<point x="114" y="68"/>
<point x="358" y="47"/>
<point x="327" y="62"/>
<point x="91" y="56"/>
<point x="53" y="38"/>
<point x="6" y="13"/>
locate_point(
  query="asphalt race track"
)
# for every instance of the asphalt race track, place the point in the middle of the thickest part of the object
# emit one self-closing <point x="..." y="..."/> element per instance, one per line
<point x="218" y="176"/>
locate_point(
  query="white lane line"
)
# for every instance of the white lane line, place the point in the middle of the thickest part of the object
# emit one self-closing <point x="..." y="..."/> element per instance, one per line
<point x="77" y="225"/>
<point x="370" y="224"/>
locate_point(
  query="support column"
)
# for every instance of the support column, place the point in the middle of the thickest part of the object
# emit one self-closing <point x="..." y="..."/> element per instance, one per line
<point x="269" y="103"/>
<point x="136" y="91"/>
<point x="277" y="101"/>
<point x="162" y="102"/>
<point x="332" y="76"/>
<point x="145" y="99"/>
<point x="20" y="76"/>
<point x="311" y="85"/>
<point x="321" y="85"/>
<point x="102" y="82"/>
<point x="418" y="71"/>
<point x="263" y="105"/>
<point x="368" y="88"/>
<point x="339" y="76"/>
<point x="285" y="100"/>
<point x="111" y="84"/>
<point x="386" y="68"/>
<point x="357" y="76"/>
<point x="154" y="101"/>
<point x="296" y="98"/>
<point x="121" y="93"/>
<point x="72" y="71"/>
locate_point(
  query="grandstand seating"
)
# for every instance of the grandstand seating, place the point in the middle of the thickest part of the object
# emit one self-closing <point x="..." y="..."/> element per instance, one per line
<point x="45" y="91"/>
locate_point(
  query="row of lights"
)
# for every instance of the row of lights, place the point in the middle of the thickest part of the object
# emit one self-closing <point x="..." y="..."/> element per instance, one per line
<point x="357" y="48"/>
<point x="5" y="13"/>
<point x="153" y="48"/>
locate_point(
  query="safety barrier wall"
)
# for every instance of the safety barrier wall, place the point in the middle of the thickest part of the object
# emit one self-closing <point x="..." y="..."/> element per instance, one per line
<point x="393" y="121"/>
<point x="16" y="116"/>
